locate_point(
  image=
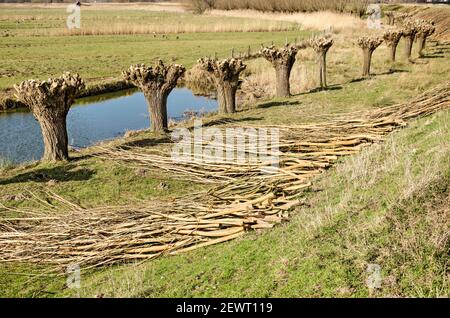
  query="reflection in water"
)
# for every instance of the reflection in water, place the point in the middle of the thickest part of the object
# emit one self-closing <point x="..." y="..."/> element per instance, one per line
<point x="91" y="120"/>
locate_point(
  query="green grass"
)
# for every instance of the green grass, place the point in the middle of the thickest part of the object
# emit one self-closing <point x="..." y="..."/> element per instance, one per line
<point x="97" y="57"/>
<point x="94" y="57"/>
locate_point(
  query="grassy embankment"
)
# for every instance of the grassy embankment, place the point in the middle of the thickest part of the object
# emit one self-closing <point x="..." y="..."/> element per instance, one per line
<point x="387" y="205"/>
<point x="377" y="207"/>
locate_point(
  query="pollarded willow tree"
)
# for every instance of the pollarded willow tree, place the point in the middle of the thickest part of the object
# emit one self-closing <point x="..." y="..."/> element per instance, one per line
<point x="391" y="17"/>
<point x="156" y="83"/>
<point x="399" y="18"/>
<point x="50" y="102"/>
<point x="409" y="31"/>
<point x="321" y="46"/>
<point x="368" y="46"/>
<point x="282" y="59"/>
<point x="225" y="74"/>
<point x="424" y="30"/>
<point x="392" y="37"/>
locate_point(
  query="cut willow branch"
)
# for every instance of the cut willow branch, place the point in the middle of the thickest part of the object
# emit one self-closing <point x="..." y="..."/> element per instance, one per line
<point x="368" y="46"/>
<point x="50" y="102"/>
<point x="156" y="83"/>
<point x="321" y="46"/>
<point x="226" y="79"/>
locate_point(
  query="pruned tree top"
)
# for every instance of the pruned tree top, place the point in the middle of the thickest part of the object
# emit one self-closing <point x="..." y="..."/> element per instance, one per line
<point x="279" y="54"/>
<point x="409" y="27"/>
<point x="402" y="15"/>
<point x="392" y="36"/>
<point x="367" y="42"/>
<point x="226" y="69"/>
<point x="321" y="44"/>
<point x="158" y="76"/>
<point x="57" y="94"/>
<point x="425" y="27"/>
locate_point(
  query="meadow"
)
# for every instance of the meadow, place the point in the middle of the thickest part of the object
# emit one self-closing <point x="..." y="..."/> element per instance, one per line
<point x="35" y="43"/>
<point x="378" y="206"/>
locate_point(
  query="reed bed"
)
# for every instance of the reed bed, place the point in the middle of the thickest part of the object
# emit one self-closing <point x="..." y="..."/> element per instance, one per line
<point x="324" y="20"/>
<point x="354" y="6"/>
<point x="130" y="28"/>
<point x="243" y="197"/>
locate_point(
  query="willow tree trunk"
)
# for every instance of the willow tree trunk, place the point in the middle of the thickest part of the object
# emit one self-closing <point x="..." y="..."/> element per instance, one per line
<point x="282" y="60"/>
<point x="157" y="108"/>
<point x="393" y="52"/>
<point x="230" y="89"/>
<point x="367" y="61"/>
<point x="323" y="70"/>
<point x="421" y="42"/>
<point x="408" y="46"/>
<point x="54" y="133"/>
<point x="283" y="74"/>
<point x="50" y="101"/>
<point x="156" y="83"/>
<point x="221" y="99"/>
<point x="226" y="79"/>
<point x="226" y="96"/>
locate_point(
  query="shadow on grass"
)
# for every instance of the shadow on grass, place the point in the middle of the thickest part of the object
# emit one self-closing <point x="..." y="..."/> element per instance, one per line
<point x="224" y="121"/>
<point x="278" y="103"/>
<point x="432" y="56"/>
<point x="61" y="173"/>
<point x="147" y="142"/>
<point x="372" y="75"/>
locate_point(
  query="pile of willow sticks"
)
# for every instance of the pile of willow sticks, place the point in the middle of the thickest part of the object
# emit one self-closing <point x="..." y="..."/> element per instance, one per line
<point x="243" y="197"/>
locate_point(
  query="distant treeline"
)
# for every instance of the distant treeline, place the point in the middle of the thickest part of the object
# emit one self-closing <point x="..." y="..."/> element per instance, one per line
<point x="351" y="6"/>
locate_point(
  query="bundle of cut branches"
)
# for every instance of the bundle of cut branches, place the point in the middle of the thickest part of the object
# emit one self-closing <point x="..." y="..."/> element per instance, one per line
<point x="244" y="197"/>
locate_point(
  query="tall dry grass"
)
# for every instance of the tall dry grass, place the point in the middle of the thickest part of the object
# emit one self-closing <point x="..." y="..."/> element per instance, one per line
<point x="324" y="20"/>
<point x="129" y="28"/>
<point x="351" y="6"/>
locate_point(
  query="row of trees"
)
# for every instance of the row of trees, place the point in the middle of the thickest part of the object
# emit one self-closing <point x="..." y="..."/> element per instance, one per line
<point x="50" y="100"/>
<point x="410" y="30"/>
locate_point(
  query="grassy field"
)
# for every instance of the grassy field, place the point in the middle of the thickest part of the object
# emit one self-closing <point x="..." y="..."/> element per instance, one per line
<point x="379" y="206"/>
<point x="37" y="45"/>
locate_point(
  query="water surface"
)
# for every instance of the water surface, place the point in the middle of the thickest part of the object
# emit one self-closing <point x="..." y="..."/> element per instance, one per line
<point x="91" y="120"/>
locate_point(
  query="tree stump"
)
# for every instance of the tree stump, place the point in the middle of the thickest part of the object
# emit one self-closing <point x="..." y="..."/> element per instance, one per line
<point x="282" y="59"/>
<point x="424" y="30"/>
<point x="226" y="79"/>
<point x="368" y="46"/>
<point x="156" y="83"/>
<point x="409" y="31"/>
<point x="392" y="37"/>
<point x="321" y="47"/>
<point x="50" y="101"/>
